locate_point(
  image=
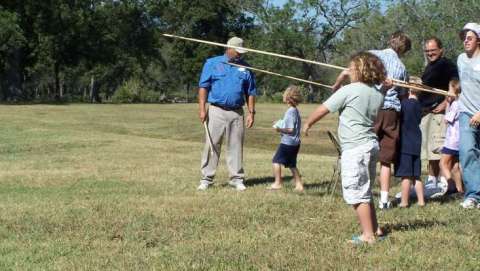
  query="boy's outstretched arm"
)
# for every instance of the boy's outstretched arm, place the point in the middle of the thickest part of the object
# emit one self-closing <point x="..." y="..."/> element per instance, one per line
<point x="315" y="116"/>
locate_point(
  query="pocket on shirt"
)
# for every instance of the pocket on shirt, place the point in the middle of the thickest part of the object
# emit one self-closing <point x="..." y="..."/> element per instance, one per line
<point x="218" y="75"/>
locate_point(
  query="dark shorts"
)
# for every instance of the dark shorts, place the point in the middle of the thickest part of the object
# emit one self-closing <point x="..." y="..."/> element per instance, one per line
<point x="408" y="165"/>
<point x="448" y="151"/>
<point x="387" y="128"/>
<point x="286" y="155"/>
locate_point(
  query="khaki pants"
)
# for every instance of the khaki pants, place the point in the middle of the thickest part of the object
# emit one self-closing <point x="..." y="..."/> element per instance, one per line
<point x="229" y="125"/>
<point x="433" y="135"/>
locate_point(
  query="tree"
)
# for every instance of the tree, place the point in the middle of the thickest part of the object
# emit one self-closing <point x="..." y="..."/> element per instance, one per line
<point x="11" y="39"/>
<point x="215" y="20"/>
<point x="305" y="29"/>
<point x="415" y="19"/>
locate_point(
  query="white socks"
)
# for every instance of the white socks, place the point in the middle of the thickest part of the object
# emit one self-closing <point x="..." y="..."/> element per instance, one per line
<point x="384" y="196"/>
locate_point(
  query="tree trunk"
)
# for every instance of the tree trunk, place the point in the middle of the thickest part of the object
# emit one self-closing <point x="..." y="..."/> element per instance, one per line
<point x="92" y="84"/>
<point x="13" y="85"/>
<point x="61" y="90"/>
<point x="57" y="79"/>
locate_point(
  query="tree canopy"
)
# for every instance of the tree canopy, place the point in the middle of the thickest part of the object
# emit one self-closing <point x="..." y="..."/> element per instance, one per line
<point x="113" y="50"/>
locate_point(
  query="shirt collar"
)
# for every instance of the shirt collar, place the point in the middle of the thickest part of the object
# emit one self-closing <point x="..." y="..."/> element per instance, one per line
<point x="436" y="61"/>
<point x="226" y="60"/>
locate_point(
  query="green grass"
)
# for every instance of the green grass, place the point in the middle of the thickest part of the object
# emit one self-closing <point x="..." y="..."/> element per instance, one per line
<point x="109" y="187"/>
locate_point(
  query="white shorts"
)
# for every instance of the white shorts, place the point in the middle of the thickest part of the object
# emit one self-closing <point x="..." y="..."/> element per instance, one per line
<point x="359" y="172"/>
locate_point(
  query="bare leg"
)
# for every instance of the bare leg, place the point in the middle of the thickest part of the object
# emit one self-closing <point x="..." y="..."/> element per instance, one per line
<point x="450" y="170"/>
<point x="364" y="214"/>
<point x="457" y="176"/>
<point x="378" y="231"/>
<point x="297" y="178"/>
<point x="446" y="166"/>
<point x="277" y="173"/>
<point x="385" y="177"/>
<point x="420" y="194"/>
<point x="406" y="182"/>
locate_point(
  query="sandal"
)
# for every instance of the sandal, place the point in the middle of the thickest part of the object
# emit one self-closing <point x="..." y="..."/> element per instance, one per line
<point x="357" y="240"/>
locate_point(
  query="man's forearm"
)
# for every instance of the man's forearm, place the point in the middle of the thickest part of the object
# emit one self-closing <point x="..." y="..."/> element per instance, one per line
<point x="251" y="105"/>
<point x="202" y="98"/>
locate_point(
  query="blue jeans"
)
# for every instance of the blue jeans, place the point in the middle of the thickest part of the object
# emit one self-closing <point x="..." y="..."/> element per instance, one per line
<point x="470" y="157"/>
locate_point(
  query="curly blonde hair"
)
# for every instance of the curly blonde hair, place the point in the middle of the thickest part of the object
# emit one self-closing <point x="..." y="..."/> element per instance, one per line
<point x="293" y="95"/>
<point x="368" y="68"/>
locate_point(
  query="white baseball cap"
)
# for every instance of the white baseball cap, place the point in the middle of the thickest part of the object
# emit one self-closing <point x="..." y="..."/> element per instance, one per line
<point x="237" y="42"/>
<point x="474" y="27"/>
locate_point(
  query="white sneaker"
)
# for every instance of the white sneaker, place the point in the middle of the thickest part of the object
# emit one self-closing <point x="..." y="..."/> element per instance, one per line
<point x="384" y="205"/>
<point x="238" y="185"/>
<point x="203" y="185"/>
<point x="469" y="203"/>
<point x="398" y="195"/>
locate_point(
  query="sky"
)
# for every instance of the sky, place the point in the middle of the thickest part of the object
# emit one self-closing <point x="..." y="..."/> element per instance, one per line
<point x="278" y="2"/>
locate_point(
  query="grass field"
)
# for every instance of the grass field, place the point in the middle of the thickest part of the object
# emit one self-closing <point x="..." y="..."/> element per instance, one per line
<point x="112" y="187"/>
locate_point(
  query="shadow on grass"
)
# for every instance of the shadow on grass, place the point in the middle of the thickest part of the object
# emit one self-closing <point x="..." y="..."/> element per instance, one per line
<point x="412" y="225"/>
<point x="441" y="200"/>
<point x="318" y="186"/>
<point x="448" y="198"/>
<point x="323" y="186"/>
<point x="264" y="180"/>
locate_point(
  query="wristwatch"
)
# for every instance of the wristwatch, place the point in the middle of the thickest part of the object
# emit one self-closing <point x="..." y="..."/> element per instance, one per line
<point x="252" y="112"/>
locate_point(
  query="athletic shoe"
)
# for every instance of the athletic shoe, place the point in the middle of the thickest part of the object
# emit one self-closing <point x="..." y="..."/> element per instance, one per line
<point x="384" y="205"/>
<point x="399" y="195"/>
<point x="433" y="192"/>
<point x="237" y="184"/>
<point x="469" y="203"/>
<point x="204" y="184"/>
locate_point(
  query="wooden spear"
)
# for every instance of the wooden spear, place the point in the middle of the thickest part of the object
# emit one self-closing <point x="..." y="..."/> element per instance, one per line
<point x="280" y="75"/>
<point x="257" y="51"/>
<point x="395" y="81"/>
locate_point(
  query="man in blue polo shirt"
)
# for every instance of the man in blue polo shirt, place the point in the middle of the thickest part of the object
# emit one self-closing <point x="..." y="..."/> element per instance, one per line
<point x="225" y="88"/>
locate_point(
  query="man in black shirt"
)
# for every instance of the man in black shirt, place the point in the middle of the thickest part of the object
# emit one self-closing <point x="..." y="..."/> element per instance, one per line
<point x="438" y="73"/>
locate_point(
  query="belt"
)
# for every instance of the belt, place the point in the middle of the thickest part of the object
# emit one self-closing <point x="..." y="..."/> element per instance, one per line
<point x="226" y="108"/>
